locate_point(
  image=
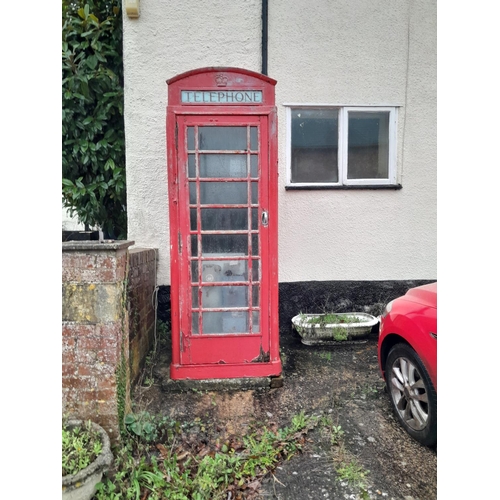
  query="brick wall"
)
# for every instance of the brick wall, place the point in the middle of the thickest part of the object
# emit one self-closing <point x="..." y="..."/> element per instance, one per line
<point x="102" y="293"/>
<point x="141" y="295"/>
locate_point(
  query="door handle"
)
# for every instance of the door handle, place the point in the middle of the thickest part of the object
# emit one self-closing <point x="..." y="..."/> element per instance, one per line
<point x="265" y="218"/>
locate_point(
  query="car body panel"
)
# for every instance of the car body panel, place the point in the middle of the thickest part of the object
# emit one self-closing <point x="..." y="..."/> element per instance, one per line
<point x="412" y="318"/>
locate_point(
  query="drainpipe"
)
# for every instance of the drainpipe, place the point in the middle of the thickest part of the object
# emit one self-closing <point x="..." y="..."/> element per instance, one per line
<point x="264" y="36"/>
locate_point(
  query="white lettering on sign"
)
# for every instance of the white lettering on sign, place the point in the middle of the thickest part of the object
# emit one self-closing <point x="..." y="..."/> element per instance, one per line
<point x="221" y="96"/>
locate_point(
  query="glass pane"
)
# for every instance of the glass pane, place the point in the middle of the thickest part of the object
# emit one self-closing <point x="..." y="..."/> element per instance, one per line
<point x="224" y="270"/>
<point x="190" y="138"/>
<point x="255" y="322"/>
<point x="231" y="166"/>
<point x="194" y="325"/>
<point x="255" y="244"/>
<point x="194" y="245"/>
<point x="193" y="219"/>
<point x="223" y="193"/>
<point x="225" y="322"/>
<point x="192" y="193"/>
<point x="255" y="296"/>
<point x="255" y="193"/>
<point x="368" y="145"/>
<point x="314" y="145"/>
<point x="255" y="270"/>
<point x="234" y="244"/>
<point x="255" y="218"/>
<point x="194" y="294"/>
<point x="253" y="139"/>
<point x="224" y="296"/>
<point x="215" y="219"/>
<point x="254" y="164"/>
<point x="194" y="271"/>
<point x="191" y="166"/>
<point x="222" y="138"/>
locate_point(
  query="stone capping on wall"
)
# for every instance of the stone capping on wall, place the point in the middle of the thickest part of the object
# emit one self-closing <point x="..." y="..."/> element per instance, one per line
<point x="81" y="246"/>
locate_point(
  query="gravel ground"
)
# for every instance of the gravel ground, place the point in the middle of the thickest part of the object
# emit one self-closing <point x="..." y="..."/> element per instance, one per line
<point x="342" y="384"/>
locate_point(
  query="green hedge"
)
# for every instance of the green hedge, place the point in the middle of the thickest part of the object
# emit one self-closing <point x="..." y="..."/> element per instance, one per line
<point x="93" y="137"/>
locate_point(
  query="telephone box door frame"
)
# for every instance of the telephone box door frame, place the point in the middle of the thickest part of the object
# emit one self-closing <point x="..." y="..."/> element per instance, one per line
<point x="222" y="97"/>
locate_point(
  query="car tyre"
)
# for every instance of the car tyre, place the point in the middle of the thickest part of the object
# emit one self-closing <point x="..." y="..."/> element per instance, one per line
<point x="412" y="394"/>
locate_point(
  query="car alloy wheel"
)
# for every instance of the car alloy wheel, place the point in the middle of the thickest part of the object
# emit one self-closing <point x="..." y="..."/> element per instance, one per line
<point x="412" y="394"/>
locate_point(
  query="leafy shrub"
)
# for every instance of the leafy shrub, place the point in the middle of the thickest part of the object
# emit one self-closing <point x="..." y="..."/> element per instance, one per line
<point x="149" y="428"/>
<point x="93" y="137"/>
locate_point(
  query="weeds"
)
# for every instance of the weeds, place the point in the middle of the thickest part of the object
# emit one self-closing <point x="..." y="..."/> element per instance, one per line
<point x="353" y="473"/>
<point x="338" y="324"/>
<point x="332" y="318"/>
<point x="149" y="428"/>
<point x="337" y="434"/>
<point x="340" y="334"/>
<point x="161" y="342"/>
<point x="159" y="462"/>
<point x="81" y="445"/>
<point x="346" y="466"/>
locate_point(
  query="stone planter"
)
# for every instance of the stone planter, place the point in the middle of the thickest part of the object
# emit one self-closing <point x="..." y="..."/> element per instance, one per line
<point x="333" y="333"/>
<point x="81" y="486"/>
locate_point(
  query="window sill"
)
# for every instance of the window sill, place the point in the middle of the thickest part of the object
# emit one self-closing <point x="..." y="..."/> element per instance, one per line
<point x="312" y="187"/>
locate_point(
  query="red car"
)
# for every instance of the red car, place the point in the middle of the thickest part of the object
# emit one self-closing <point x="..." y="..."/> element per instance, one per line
<point x="407" y="354"/>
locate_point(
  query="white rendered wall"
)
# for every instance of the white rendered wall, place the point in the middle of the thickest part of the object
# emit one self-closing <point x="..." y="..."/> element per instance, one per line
<point x="70" y="223"/>
<point x="167" y="39"/>
<point x="347" y="52"/>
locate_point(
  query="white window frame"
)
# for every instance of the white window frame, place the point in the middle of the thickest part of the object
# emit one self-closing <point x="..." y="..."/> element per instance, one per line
<point x="343" y="146"/>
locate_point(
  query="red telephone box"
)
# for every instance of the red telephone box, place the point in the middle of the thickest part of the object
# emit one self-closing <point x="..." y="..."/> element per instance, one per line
<point x="222" y="180"/>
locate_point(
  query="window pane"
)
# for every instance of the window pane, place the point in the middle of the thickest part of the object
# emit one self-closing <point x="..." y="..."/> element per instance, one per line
<point x="255" y="296"/>
<point x="194" y="294"/>
<point x="195" y="323"/>
<point x="255" y="219"/>
<point x="190" y="138"/>
<point x="194" y="245"/>
<point x="255" y="193"/>
<point x="221" y="219"/>
<point x="255" y="322"/>
<point x="192" y="193"/>
<point x="191" y="166"/>
<point x="194" y="270"/>
<point x="224" y="244"/>
<point x="255" y="270"/>
<point x="224" y="193"/>
<point x="215" y="165"/>
<point x="224" y="296"/>
<point x="255" y="244"/>
<point x="253" y="138"/>
<point x="368" y="145"/>
<point x="254" y="166"/>
<point x="193" y="218"/>
<point x="225" y="322"/>
<point x="224" y="270"/>
<point x="222" y="138"/>
<point x="314" y="145"/>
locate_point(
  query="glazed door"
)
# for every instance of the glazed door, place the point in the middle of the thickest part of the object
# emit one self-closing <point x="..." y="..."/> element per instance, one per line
<point x="223" y="238"/>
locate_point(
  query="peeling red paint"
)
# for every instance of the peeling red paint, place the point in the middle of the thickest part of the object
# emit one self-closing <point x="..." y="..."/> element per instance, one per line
<point x="214" y="338"/>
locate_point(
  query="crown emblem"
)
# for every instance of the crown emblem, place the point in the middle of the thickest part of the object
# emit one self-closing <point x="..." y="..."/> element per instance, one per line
<point x="221" y="80"/>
